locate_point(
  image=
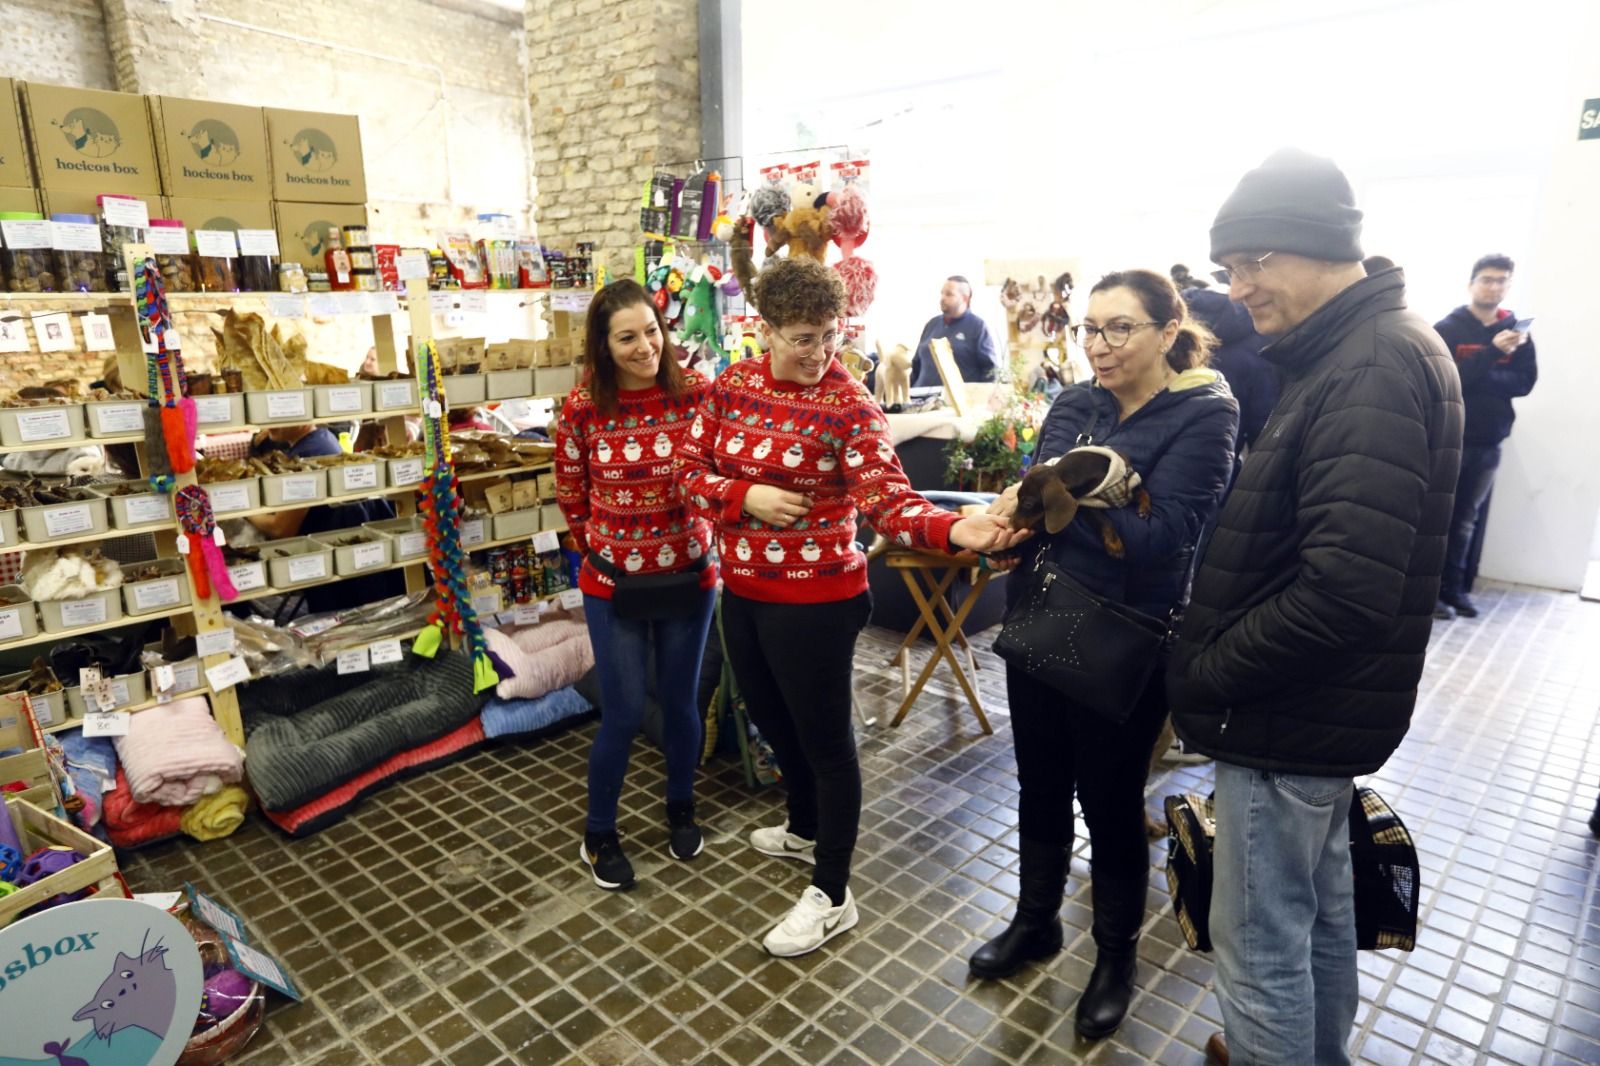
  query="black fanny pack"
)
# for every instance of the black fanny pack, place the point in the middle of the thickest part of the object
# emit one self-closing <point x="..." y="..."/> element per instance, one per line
<point x="648" y="597"/>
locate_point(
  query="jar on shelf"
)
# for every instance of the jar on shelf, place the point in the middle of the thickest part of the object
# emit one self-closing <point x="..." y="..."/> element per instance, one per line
<point x="258" y="260"/>
<point x="169" y="240"/>
<point x="26" y="259"/>
<point x="337" y="260"/>
<point x="77" y="254"/>
<point x="216" y="252"/>
<point x="124" y="220"/>
<point x="365" y="280"/>
<point x="292" y="278"/>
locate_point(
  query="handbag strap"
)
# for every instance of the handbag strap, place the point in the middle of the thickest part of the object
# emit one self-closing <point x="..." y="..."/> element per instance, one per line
<point x="1086" y="437"/>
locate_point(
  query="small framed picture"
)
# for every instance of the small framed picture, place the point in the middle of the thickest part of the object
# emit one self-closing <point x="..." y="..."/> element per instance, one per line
<point x="14" y="334"/>
<point x="97" y="333"/>
<point x="54" y="331"/>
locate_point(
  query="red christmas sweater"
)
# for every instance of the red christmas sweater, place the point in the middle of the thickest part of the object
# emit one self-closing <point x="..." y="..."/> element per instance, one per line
<point x="614" y="483"/>
<point x="829" y="441"/>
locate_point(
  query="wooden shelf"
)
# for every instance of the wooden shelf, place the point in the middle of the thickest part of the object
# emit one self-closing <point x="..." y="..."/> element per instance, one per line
<point x="77" y="723"/>
<point x="86" y="538"/>
<point x="77" y="631"/>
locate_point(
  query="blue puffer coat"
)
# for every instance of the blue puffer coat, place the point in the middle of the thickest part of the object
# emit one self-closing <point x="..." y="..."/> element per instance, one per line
<point x="1181" y="443"/>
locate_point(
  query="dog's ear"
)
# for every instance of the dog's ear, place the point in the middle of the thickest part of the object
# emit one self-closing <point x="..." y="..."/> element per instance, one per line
<point x="1059" y="506"/>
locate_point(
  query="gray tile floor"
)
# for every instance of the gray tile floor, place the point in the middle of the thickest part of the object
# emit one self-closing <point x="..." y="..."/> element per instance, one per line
<point x="446" y="922"/>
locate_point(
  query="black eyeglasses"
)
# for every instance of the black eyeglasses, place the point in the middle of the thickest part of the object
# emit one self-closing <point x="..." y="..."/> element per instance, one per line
<point x="1115" y="335"/>
<point x="1248" y="270"/>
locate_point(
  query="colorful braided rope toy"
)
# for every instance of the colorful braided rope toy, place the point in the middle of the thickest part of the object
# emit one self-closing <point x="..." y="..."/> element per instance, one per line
<point x="167" y="382"/>
<point x="202" y="543"/>
<point x="439" y="502"/>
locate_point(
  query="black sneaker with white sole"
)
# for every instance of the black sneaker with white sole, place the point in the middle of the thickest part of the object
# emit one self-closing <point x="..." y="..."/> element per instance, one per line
<point x="602" y="854"/>
<point x="685" y="838"/>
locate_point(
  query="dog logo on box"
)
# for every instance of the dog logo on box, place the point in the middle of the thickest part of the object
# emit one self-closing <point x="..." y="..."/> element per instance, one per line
<point x="90" y="132"/>
<point x="314" y="150"/>
<point x="213" y="142"/>
<point x="314" y="237"/>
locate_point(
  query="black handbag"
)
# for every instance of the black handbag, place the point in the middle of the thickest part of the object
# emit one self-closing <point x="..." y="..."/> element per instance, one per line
<point x="652" y="597"/>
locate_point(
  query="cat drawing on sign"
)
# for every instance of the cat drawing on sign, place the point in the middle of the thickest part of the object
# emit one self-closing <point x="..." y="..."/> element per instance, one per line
<point x="141" y="991"/>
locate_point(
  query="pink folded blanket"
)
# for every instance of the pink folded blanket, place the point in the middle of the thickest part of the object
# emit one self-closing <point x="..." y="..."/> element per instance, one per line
<point x="541" y="658"/>
<point x="176" y="753"/>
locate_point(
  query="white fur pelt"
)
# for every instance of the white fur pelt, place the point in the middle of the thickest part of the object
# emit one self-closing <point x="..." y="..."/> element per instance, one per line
<point x="85" y="459"/>
<point x="68" y="575"/>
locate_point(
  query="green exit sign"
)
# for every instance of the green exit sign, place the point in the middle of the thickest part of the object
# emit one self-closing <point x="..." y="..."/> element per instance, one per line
<point x="1589" y="123"/>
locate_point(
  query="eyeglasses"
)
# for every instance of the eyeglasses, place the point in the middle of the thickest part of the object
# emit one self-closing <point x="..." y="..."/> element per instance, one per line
<point x="805" y="346"/>
<point x="1492" y="279"/>
<point x="1248" y="270"/>
<point x="1115" y="335"/>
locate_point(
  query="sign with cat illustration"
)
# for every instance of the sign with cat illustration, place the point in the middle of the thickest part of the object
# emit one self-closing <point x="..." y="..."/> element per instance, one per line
<point x="97" y="983"/>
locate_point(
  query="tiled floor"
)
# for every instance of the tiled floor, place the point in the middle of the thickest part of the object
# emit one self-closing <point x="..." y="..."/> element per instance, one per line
<point x="448" y="923"/>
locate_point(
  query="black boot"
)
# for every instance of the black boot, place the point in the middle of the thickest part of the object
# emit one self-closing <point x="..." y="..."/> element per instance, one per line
<point x="1035" y="933"/>
<point x="1118" y="914"/>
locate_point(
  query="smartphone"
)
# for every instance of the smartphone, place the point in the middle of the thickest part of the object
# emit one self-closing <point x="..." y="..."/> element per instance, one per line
<point x="1523" y="325"/>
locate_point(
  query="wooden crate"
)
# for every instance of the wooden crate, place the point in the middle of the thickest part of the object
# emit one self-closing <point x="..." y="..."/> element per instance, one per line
<point x="36" y="829"/>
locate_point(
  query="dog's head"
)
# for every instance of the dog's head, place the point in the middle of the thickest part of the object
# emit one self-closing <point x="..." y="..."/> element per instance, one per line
<point x="1050" y="494"/>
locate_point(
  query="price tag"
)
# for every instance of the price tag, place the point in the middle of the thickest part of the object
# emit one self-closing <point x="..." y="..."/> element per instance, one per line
<point x="404" y="472"/>
<point x="411" y="265"/>
<point x="217" y="642"/>
<point x="216" y="243"/>
<point x="215" y="914"/>
<point x="360" y="476"/>
<point x="392" y="394"/>
<point x="225" y="499"/>
<point x="75" y="237"/>
<point x="386" y="651"/>
<point x="366" y="556"/>
<point x="186" y="677"/>
<point x="441" y="303"/>
<point x="258" y="242"/>
<point x="354" y="661"/>
<point x="106" y="723"/>
<point x="25" y="234"/>
<point x="86" y="612"/>
<point x="263" y="968"/>
<point x="248" y="576"/>
<point x="409" y="544"/>
<point x="125" y="211"/>
<point x="472" y="532"/>
<point x="65" y="521"/>
<point x="486" y="604"/>
<point x="286" y="305"/>
<point x="117" y="417"/>
<point x="474" y="302"/>
<point x="308" y="568"/>
<point x="546" y="541"/>
<point x="150" y="595"/>
<point x="572" y="599"/>
<point x="343" y="401"/>
<point x="433" y="408"/>
<point x="502" y="227"/>
<point x="228" y="674"/>
<point x="169" y="240"/>
<point x="165" y="678"/>
<point x="210" y="410"/>
<point x="46" y="425"/>
<point x="286" y="405"/>
<point x="298" y="487"/>
<point x="527" y="614"/>
<point x="574" y="300"/>
<point x="143" y="510"/>
<point x="11" y="622"/>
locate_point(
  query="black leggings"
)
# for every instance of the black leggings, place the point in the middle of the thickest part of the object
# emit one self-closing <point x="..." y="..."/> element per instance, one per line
<point x="1063" y="748"/>
<point x="794" y="664"/>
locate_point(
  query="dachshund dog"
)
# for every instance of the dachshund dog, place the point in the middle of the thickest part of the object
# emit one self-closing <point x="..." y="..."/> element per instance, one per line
<point x="1089" y="478"/>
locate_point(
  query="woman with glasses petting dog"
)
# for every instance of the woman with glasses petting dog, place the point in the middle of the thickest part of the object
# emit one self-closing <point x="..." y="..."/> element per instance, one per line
<point x="785" y="448"/>
<point x="1170" y="421"/>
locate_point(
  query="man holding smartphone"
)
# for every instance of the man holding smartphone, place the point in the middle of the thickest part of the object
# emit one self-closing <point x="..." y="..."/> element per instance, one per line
<point x="1495" y="357"/>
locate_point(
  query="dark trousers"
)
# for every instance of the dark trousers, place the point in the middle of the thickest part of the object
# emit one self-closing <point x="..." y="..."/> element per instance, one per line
<point x="794" y="664"/>
<point x="1064" y="750"/>
<point x="1478" y="465"/>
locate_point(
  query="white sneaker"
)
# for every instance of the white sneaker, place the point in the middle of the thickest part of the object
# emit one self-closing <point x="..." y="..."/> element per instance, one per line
<point x="778" y="842"/>
<point x="1177" y="754"/>
<point x="811" y="923"/>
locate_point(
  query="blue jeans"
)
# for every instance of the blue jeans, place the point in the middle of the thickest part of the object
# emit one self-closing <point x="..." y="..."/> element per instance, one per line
<point x="1283" y="917"/>
<point x="621" y="659"/>
<point x="1478" y="465"/>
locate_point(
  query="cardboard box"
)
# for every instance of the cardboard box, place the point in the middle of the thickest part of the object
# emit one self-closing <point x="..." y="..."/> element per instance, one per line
<point x="303" y="229"/>
<point x="219" y="214"/>
<point x="19" y="200"/>
<point x="90" y="140"/>
<point x="316" y="157"/>
<point x="16" y="171"/>
<point x="209" y="150"/>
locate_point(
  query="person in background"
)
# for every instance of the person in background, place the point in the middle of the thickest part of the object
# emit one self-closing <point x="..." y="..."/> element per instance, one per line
<point x="970" y="340"/>
<point x="1498" y="364"/>
<point x="1297" y="664"/>
<point x="786" y="448"/>
<point x="615" y="439"/>
<point x="1252" y="380"/>
<point x="470" y="419"/>
<point x="1155" y="402"/>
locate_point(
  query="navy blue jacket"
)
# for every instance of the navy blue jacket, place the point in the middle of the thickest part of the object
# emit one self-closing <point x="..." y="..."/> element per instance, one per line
<point x="1490" y="380"/>
<point x="970" y="342"/>
<point x="1181" y="443"/>
<point x="1253" y="380"/>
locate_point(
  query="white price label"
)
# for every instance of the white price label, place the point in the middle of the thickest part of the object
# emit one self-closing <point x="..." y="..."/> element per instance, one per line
<point x="286" y="405"/>
<point x="354" y="661"/>
<point x="217" y="918"/>
<point x="169" y="240"/>
<point x="65" y="521"/>
<point x="308" y="568"/>
<point x="143" y="510"/>
<point x="43" y="710"/>
<point x="186" y="677"/>
<point x="226" y="675"/>
<point x="486" y="604"/>
<point x="382" y="303"/>
<point x="366" y="556"/>
<point x="546" y="541"/>
<point x="343" y="401"/>
<point x="216" y="243"/>
<point x="125" y="211"/>
<point x="286" y="305"/>
<point x="441" y="303"/>
<point x="299" y="487"/>
<point x="226" y="499"/>
<point x="106" y="723"/>
<point x="392" y="394"/>
<point x="359" y="476"/>
<point x="118" y="417"/>
<point x="574" y="300"/>
<point x="165" y="678"/>
<point x="258" y="242"/>
<point x="210" y="410"/>
<point x="404" y="472"/>
<point x="409" y="544"/>
<point x="474" y="302"/>
<point x="149" y="595"/>
<point x="11" y="622"/>
<point x="218" y="641"/>
<point x="411" y="265"/>
<point x="527" y="614"/>
<point x="46" y="425"/>
<point x="386" y="651"/>
<point x="85" y="612"/>
<point x="472" y="532"/>
<point x="75" y="237"/>
<point x="572" y="599"/>
<point x="26" y="233"/>
<point x="432" y="408"/>
<point x="247" y="576"/>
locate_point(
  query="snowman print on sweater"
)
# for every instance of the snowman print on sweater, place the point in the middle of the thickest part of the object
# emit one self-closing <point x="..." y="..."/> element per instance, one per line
<point x="698" y="430"/>
<point x="885" y="451"/>
<point x="662" y="446"/>
<point x="695" y="551"/>
<point x="602" y="451"/>
<point x="762" y="450"/>
<point x="605" y="553"/>
<point x="666" y="556"/>
<point x="632" y="450"/>
<point x="826" y="462"/>
<point x="742" y="550"/>
<point x="736" y="445"/>
<point x="572" y="449"/>
<point x="634" y="562"/>
<point x="775" y="552"/>
<point x="809" y="550"/>
<point x="794" y="456"/>
<point x="853" y="458"/>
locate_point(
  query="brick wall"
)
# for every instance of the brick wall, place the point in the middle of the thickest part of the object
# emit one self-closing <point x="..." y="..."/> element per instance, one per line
<point x="60" y="41"/>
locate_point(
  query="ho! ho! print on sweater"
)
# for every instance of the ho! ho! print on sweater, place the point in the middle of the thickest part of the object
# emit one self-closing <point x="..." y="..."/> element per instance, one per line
<point x="828" y="441"/>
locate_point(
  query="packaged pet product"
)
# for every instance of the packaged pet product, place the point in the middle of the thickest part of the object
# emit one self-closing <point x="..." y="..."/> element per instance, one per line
<point x="465" y="266"/>
<point x="78" y="253"/>
<point x="655" y="207"/>
<point x="531" y="270"/>
<point x="26" y="258"/>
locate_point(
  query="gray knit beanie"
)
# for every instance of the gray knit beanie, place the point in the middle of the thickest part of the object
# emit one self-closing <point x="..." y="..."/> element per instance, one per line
<point x="1293" y="202"/>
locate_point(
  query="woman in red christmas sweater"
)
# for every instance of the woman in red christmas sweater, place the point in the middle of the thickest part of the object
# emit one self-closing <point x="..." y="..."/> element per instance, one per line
<point x="786" y="448"/>
<point x="646" y="577"/>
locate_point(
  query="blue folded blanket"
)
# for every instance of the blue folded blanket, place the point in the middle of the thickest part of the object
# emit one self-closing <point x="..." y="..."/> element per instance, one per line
<point x="508" y="717"/>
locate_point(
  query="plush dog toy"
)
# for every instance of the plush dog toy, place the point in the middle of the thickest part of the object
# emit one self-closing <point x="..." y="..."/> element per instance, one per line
<point x="1089" y="477"/>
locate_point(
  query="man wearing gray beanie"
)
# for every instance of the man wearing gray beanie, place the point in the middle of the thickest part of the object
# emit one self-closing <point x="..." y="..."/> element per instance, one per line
<point x="1298" y="661"/>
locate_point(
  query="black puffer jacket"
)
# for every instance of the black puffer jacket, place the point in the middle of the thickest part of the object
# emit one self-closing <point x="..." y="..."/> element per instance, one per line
<point x="1311" y="610"/>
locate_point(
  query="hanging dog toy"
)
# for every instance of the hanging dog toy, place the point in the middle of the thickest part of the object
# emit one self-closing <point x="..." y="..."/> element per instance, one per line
<point x="439" y="502"/>
<point x="202" y="543"/>
<point x="167" y="382"/>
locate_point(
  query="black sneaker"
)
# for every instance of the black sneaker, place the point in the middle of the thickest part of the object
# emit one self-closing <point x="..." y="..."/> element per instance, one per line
<point x="1443" y="611"/>
<point x="1462" y="603"/>
<point x="602" y="854"/>
<point x="686" y="839"/>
